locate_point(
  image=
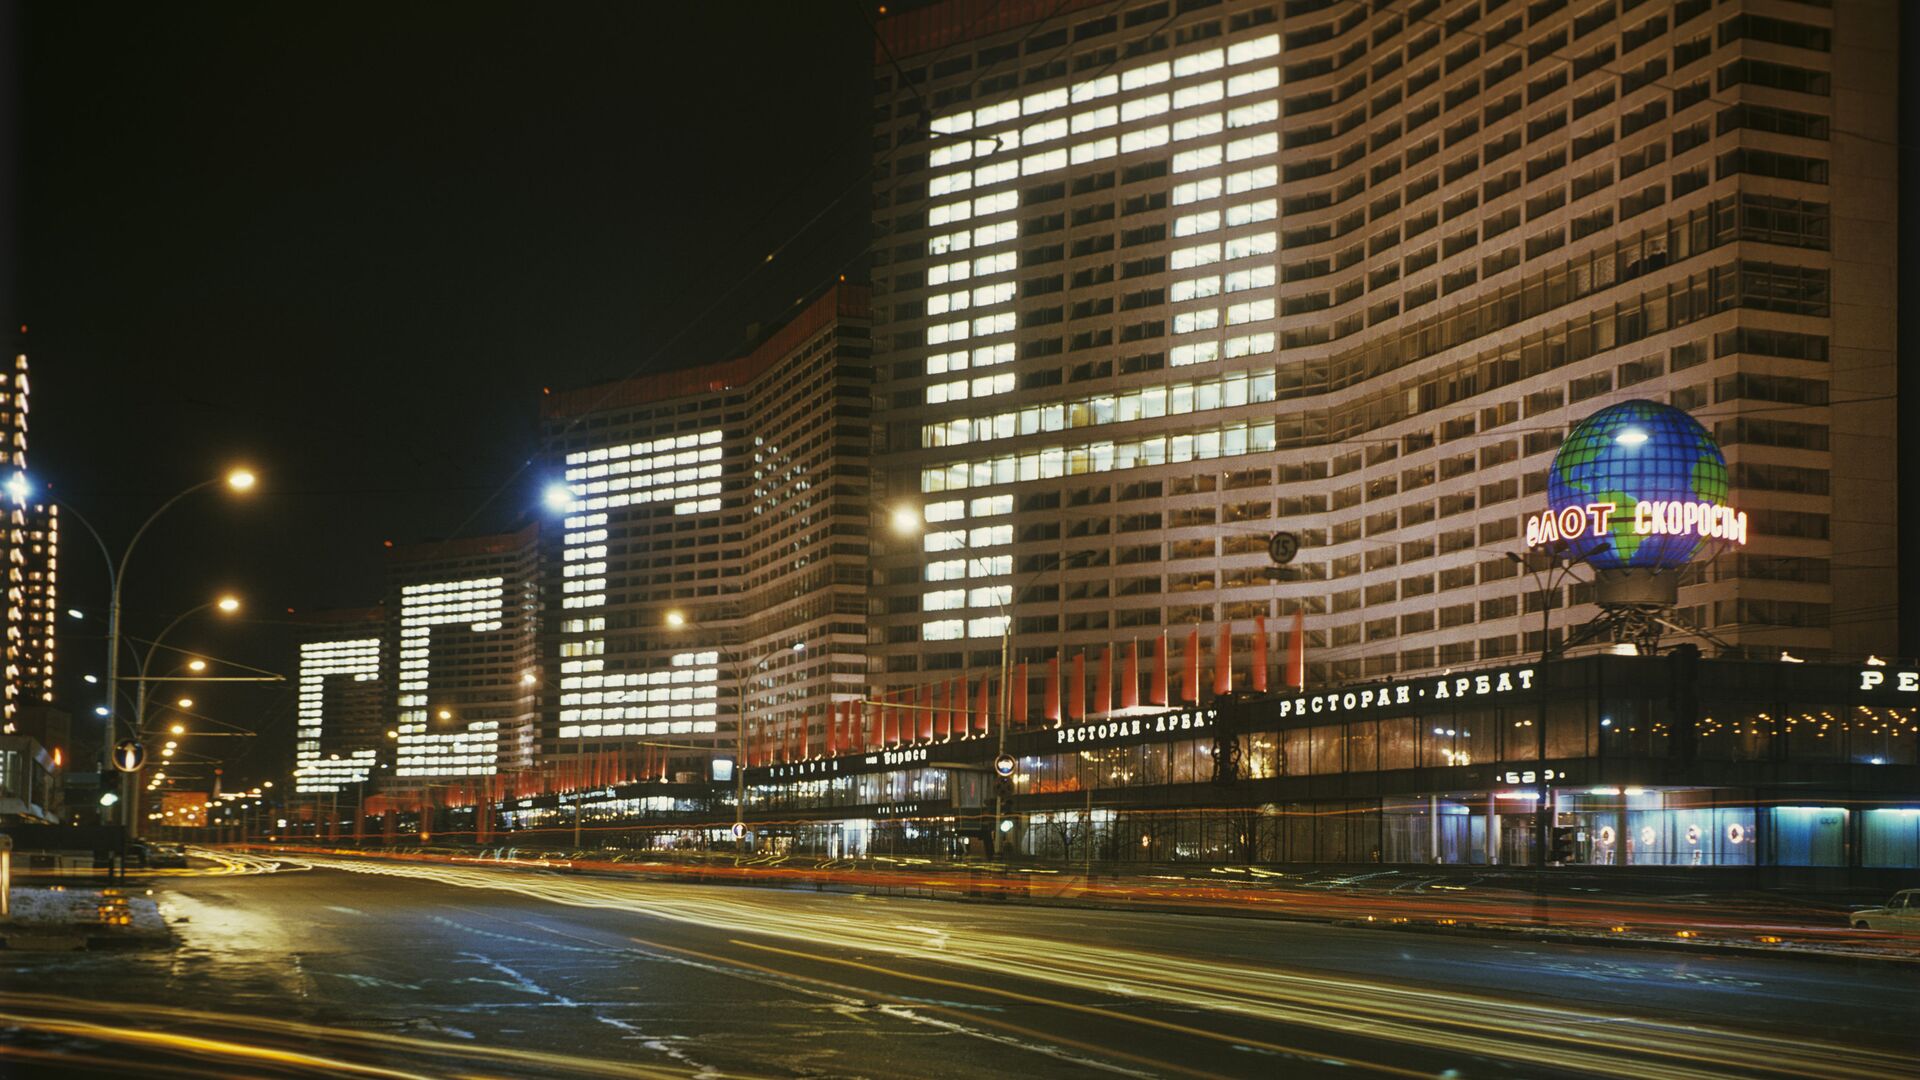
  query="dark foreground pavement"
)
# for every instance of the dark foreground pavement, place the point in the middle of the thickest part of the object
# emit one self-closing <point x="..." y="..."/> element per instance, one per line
<point x="432" y="971"/>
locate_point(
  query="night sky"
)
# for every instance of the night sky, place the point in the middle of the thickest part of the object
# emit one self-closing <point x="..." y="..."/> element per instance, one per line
<point x="349" y="244"/>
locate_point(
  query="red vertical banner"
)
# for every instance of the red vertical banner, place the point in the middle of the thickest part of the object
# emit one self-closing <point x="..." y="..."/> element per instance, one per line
<point x="1050" y="703"/>
<point x="1077" y="688"/>
<point x="1021" y="687"/>
<point x="942" y="712"/>
<point x="1190" y="669"/>
<point x="834" y="713"/>
<point x="983" y="708"/>
<point x="859" y="713"/>
<point x="1157" y="690"/>
<point x="1297" y="652"/>
<point x="1259" y="671"/>
<point x="1103" y="689"/>
<point x="1223" y="662"/>
<point x="956" y="709"/>
<point x="924" y="714"/>
<point x="890" y="723"/>
<point x="1130" y="676"/>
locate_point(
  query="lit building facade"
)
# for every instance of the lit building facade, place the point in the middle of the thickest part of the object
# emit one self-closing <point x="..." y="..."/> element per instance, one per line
<point x="465" y="619"/>
<point x="340" y="735"/>
<point x="732" y="497"/>
<point x="30" y="548"/>
<point x="1155" y="281"/>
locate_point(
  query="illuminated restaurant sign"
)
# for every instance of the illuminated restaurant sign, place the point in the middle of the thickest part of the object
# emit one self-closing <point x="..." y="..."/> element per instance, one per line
<point x="1440" y="688"/>
<point x="1126" y="727"/>
<point x="1906" y="682"/>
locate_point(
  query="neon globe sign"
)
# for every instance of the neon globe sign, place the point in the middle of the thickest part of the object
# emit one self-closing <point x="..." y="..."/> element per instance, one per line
<point x="1637" y="486"/>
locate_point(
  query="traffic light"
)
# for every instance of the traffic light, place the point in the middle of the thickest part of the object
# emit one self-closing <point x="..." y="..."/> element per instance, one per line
<point x="1003" y="787"/>
<point x="1561" y="850"/>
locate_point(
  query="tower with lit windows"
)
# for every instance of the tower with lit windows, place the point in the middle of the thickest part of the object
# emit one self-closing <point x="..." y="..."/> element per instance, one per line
<point x="710" y="558"/>
<point x="339" y="739"/>
<point x="31" y="554"/>
<point x="1156" y="280"/>
<point x="464" y="616"/>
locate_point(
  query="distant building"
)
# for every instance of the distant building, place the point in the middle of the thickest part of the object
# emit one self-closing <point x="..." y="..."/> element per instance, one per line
<point x="30" y="550"/>
<point x="29" y="791"/>
<point x="732" y="499"/>
<point x="464" y="619"/>
<point x="341" y="739"/>
<point x="1154" y="281"/>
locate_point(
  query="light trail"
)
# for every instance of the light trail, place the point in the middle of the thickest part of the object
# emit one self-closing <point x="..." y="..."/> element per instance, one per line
<point x="1598" y="1043"/>
<point x="257" y="1043"/>
<point x="1424" y="902"/>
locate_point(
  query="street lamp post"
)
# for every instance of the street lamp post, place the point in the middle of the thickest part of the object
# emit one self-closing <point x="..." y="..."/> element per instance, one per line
<point x="227" y="605"/>
<point x="906" y="521"/>
<point x="240" y="480"/>
<point x="1557" y="572"/>
<point x="742" y="674"/>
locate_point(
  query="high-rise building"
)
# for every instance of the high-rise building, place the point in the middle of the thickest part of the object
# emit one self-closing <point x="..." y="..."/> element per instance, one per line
<point x="713" y="561"/>
<point x="30" y="548"/>
<point x="464" y="621"/>
<point x="1156" y="280"/>
<point x="340" y="738"/>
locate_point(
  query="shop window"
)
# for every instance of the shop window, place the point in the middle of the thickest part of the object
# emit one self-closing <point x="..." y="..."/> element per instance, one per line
<point x="1890" y="837"/>
<point x="1807" y="836"/>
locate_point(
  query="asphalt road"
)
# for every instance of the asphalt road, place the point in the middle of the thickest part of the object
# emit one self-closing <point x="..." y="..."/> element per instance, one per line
<point x="433" y="970"/>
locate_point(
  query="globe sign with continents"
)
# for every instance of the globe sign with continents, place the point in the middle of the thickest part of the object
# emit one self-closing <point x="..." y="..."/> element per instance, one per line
<point x="1638" y="486"/>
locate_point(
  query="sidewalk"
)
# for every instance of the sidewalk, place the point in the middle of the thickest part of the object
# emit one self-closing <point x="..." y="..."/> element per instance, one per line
<point x="61" y="918"/>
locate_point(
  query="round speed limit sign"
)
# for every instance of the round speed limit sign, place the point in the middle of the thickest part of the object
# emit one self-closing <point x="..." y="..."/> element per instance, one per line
<point x="1282" y="547"/>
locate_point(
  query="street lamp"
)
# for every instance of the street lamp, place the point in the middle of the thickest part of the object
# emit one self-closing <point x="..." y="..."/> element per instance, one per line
<point x="227" y="604"/>
<point x="677" y="620"/>
<point x="907" y="521"/>
<point x="1558" y="571"/>
<point x="239" y="479"/>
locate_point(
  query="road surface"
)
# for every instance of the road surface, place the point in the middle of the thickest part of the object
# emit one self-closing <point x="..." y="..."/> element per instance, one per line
<point x="340" y="967"/>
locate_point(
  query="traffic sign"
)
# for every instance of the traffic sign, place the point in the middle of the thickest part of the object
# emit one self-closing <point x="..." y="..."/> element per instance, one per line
<point x="1003" y="765"/>
<point x="1282" y="547"/>
<point x="739" y="831"/>
<point x="129" y="755"/>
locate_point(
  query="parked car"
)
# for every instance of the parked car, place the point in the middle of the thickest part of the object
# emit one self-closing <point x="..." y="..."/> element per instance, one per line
<point x="1900" y="914"/>
<point x="166" y="856"/>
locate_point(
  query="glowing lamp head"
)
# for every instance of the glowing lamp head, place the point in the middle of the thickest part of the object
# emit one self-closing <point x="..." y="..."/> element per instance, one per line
<point x="228" y="604"/>
<point x="19" y="488"/>
<point x="184" y="703"/>
<point x="1643" y="462"/>
<point x="177" y="729"/>
<point x="241" y="479"/>
<point x="196" y="665"/>
<point x="445" y="714"/>
<point x="558" y="497"/>
<point x="904" y="520"/>
<point x="676" y="619"/>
